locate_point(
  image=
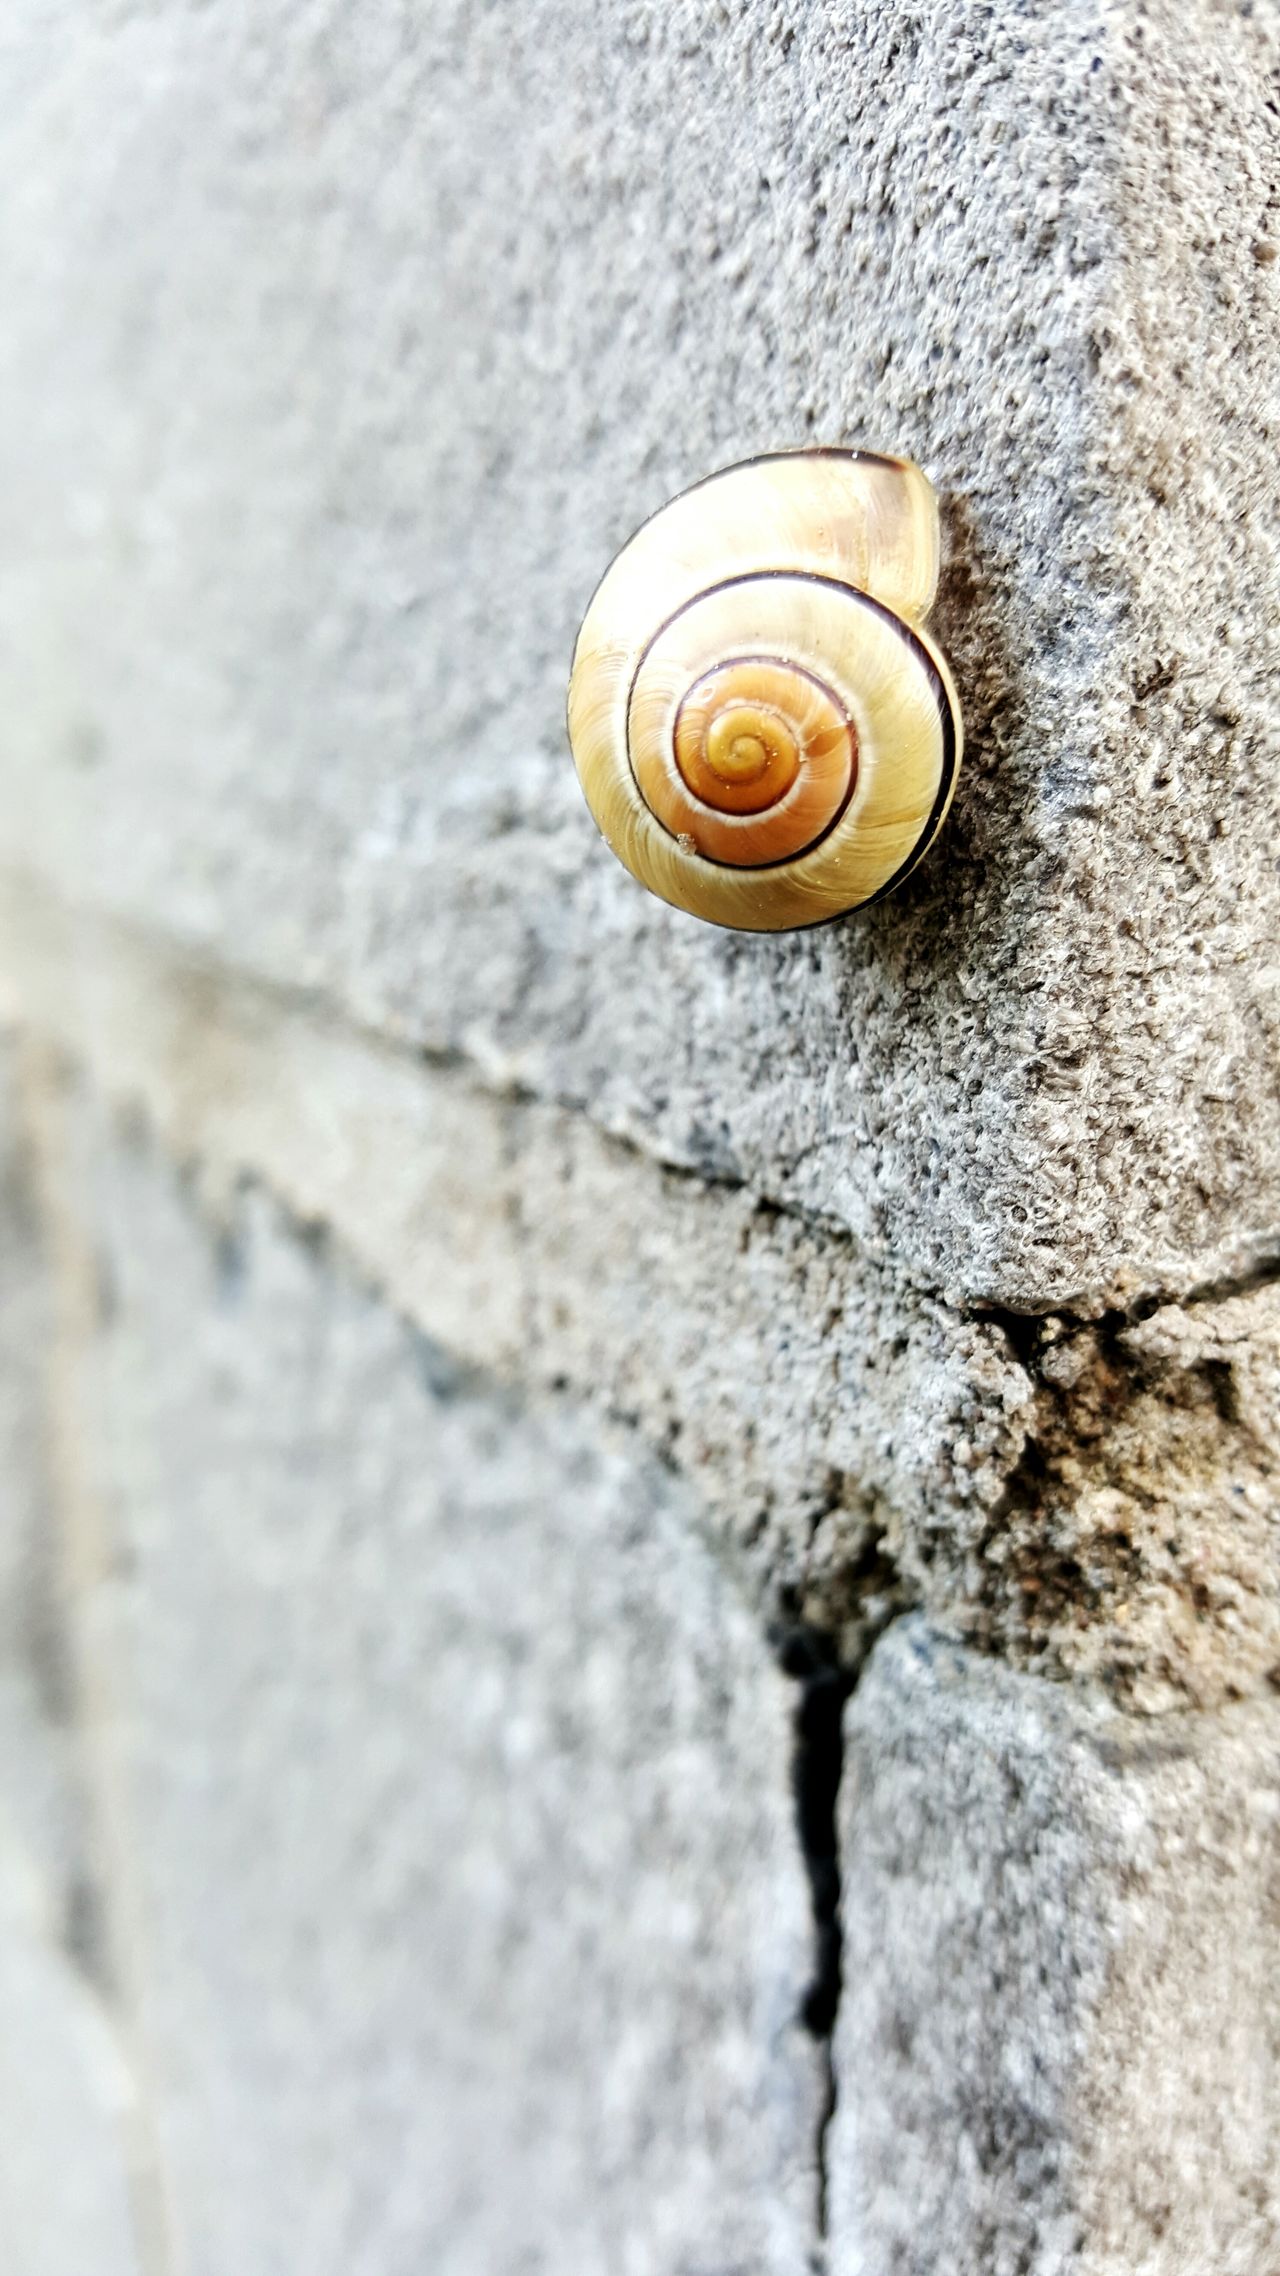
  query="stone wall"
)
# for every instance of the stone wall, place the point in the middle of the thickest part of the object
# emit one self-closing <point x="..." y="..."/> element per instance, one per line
<point x="490" y="1369"/>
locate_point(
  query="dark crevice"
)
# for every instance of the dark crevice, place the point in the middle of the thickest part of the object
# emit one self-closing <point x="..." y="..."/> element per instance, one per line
<point x="808" y="1656"/>
<point x="1259" y="1275"/>
<point x="243" y="991"/>
<point x="1026" y="1331"/>
<point x="815" y="1778"/>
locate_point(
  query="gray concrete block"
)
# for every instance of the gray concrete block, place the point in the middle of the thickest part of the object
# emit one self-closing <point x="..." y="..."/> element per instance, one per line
<point x="342" y="345"/>
<point x="1100" y="1499"/>
<point x="1057" y="2045"/>
<point x="812" y="1407"/>
<point x="340" y="348"/>
<point x="475" y="1921"/>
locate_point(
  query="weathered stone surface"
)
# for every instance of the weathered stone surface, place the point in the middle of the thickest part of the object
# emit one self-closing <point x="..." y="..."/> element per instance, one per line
<point x="1137" y="1537"/>
<point x="340" y="346"/>
<point x="1097" y="1499"/>
<point x="477" y="1920"/>
<point x="308" y="516"/>
<point x="1057" y="2045"/>
<point x="814" y="1408"/>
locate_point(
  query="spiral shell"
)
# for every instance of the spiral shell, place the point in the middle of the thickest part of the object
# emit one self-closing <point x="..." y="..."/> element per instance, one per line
<point x="764" y="731"/>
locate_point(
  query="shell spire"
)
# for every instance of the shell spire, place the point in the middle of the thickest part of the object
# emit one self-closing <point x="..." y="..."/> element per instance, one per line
<point x="763" y="729"/>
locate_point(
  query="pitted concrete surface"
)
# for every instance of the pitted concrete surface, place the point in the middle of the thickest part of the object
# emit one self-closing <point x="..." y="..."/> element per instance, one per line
<point x="1058" y="2039"/>
<point x="925" y="1261"/>
<point x="342" y="346"/>
<point x="475" y="1924"/>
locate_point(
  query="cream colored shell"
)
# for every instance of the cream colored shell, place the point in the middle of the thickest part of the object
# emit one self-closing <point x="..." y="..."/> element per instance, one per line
<point x="821" y="560"/>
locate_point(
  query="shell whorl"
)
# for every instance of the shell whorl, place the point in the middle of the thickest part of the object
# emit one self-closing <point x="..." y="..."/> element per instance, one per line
<point x="763" y="730"/>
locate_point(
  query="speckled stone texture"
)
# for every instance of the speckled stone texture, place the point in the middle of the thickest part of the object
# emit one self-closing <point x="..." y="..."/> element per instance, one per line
<point x="1059" y="2034"/>
<point x="342" y="345"/>
<point x="594" y="1262"/>
<point x="475" y="1923"/>
<point x="1091" y="1498"/>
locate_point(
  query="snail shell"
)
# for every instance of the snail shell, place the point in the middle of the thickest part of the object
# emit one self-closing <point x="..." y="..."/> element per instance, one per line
<point x="764" y="731"/>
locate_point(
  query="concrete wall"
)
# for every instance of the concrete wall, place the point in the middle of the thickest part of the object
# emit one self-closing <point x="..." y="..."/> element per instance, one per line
<point x="490" y="1364"/>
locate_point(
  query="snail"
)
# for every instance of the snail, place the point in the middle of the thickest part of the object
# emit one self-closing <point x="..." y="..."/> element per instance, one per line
<point x="762" y="727"/>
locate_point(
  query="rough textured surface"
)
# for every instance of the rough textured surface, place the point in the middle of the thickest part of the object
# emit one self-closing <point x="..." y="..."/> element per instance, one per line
<point x="814" y="1410"/>
<point x="1098" y="1499"/>
<point x="1137" y="1535"/>
<point x="476" y="1921"/>
<point x="313" y="489"/>
<point x="1058" y="2040"/>
<point x="930" y="1259"/>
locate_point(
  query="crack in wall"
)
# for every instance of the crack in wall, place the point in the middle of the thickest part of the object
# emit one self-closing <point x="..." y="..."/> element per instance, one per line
<point x="825" y="1685"/>
<point x="816" y="1769"/>
<point x="49" y="930"/>
<point x="807" y="1657"/>
<point x="951" y="1438"/>
<point x="1025" y="1329"/>
<point x="1087" y="1378"/>
<point x="807" y="1654"/>
<point x="841" y="1411"/>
